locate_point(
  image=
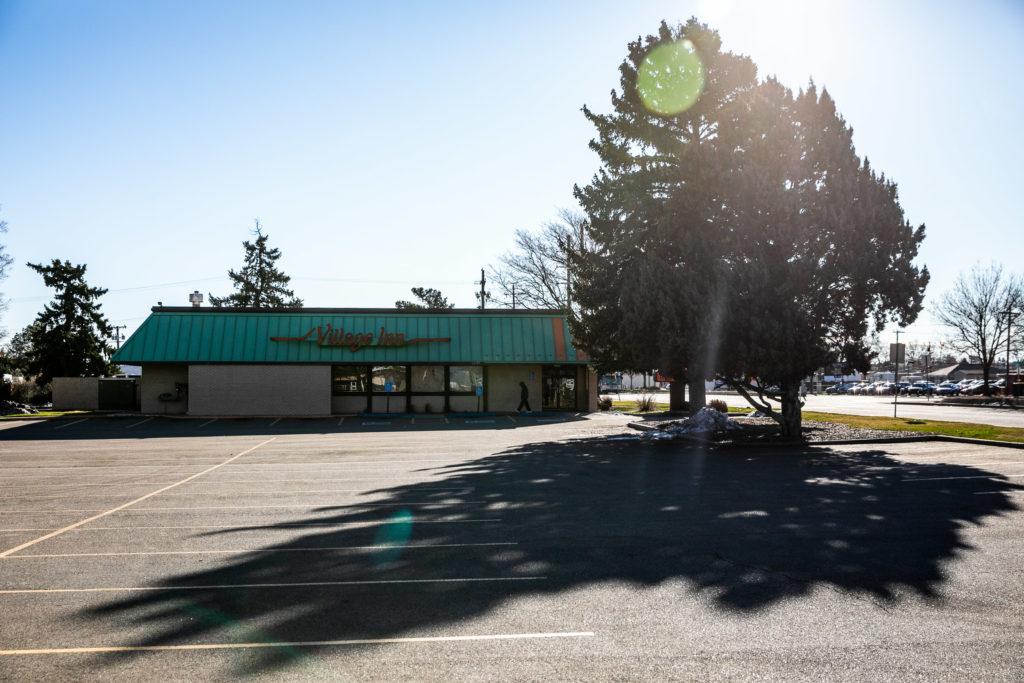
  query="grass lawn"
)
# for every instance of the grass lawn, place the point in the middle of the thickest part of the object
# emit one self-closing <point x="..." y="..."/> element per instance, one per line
<point x="964" y="429"/>
<point x="42" y="413"/>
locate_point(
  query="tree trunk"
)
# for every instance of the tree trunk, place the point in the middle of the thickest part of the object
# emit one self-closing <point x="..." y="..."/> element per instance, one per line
<point x="697" y="398"/>
<point x="985" y="371"/>
<point x="791" y="412"/>
<point x="676" y="398"/>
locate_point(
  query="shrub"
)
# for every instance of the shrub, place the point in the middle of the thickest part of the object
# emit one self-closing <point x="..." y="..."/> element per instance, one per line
<point x="645" y="403"/>
<point x="604" y="403"/>
<point x="30" y="393"/>
<point x="719" y="405"/>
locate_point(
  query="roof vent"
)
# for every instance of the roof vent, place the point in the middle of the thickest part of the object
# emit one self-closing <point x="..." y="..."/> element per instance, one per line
<point x="196" y="298"/>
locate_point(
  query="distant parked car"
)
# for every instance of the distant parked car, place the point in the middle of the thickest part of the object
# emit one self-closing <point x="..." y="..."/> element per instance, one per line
<point x="921" y="389"/>
<point x="948" y="388"/>
<point x="837" y="389"/>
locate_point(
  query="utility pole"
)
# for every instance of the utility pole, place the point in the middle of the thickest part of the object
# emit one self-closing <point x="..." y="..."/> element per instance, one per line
<point x="117" y="334"/>
<point x="896" y="377"/>
<point x="483" y="290"/>
<point x="513" y="296"/>
<point x="927" y="379"/>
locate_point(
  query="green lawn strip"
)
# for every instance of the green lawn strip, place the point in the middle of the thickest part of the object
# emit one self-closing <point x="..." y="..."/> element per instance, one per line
<point x="964" y="429"/>
<point x="42" y="414"/>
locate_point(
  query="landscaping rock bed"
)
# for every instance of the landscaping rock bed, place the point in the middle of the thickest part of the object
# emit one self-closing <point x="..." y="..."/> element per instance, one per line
<point x="756" y="429"/>
<point x="15" y="408"/>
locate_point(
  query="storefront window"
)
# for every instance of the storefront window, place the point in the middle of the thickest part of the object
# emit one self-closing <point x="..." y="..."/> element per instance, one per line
<point x="384" y="377"/>
<point x="464" y="379"/>
<point x="428" y="378"/>
<point x="348" y="379"/>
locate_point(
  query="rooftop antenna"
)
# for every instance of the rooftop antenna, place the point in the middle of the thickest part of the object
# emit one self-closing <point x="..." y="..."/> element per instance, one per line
<point x="196" y="298"/>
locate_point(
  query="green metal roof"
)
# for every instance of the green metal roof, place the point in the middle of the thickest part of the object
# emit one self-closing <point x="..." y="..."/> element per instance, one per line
<point x="210" y="335"/>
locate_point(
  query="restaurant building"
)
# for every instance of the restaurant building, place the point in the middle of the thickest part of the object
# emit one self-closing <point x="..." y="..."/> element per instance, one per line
<point x="327" y="361"/>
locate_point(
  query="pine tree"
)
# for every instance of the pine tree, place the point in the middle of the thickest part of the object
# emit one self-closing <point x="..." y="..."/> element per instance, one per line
<point x="430" y="300"/>
<point x="259" y="284"/>
<point x="648" y="290"/>
<point x="68" y="338"/>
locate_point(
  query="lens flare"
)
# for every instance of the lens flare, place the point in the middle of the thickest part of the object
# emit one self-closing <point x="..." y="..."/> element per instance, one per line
<point x="393" y="537"/>
<point x="671" y="78"/>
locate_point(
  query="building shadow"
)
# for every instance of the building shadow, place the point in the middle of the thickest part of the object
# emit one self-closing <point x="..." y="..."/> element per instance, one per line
<point x="160" y="427"/>
<point x="745" y="529"/>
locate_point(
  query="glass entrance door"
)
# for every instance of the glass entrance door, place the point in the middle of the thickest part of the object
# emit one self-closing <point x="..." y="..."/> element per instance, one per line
<point x="559" y="385"/>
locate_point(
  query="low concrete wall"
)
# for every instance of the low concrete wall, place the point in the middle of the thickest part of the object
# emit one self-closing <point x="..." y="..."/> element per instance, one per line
<point x="76" y="393"/>
<point x="503" y="387"/>
<point x="159" y="379"/>
<point x="259" y="389"/>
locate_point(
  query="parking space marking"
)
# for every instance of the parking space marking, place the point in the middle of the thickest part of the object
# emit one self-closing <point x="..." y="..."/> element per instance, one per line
<point x="246" y="507"/>
<point x="511" y="419"/>
<point x="341" y="421"/>
<point x="985" y="476"/>
<point x="206" y="423"/>
<point x="68" y="424"/>
<point x="479" y="422"/>
<point x="260" y="551"/>
<point x="58" y="532"/>
<point x="298" y="584"/>
<point x="377" y="424"/>
<point x="140" y="422"/>
<point x="297" y="643"/>
<point x="275" y="525"/>
<point x="275" y="422"/>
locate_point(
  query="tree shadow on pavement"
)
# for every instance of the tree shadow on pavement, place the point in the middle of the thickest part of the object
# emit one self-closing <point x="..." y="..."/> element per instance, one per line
<point x="747" y="529"/>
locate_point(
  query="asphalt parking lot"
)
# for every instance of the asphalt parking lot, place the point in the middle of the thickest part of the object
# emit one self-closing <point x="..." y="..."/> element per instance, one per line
<point x="539" y="547"/>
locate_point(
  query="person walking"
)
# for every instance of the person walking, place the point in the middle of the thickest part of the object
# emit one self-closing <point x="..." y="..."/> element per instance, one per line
<point x="524" y="398"/>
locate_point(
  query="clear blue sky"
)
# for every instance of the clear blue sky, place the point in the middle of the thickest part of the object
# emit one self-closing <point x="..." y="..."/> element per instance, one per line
<point x="386" y="145"/>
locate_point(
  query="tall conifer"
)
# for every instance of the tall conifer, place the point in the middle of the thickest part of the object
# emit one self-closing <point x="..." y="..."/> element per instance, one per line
<point x="259" y="284"/>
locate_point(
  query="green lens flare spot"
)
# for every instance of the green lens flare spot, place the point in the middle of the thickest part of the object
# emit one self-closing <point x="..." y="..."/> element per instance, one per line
<point x="671" y="78"/>
<point x="392" y="538"/>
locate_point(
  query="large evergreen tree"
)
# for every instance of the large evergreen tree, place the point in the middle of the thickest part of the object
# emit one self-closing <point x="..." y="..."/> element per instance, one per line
<point x="259" y="284"/>
<point x="69" y="337"/>
<point x="739" y="235"/>
<point x="648" y="289"/>
<point x="818" y="254"/>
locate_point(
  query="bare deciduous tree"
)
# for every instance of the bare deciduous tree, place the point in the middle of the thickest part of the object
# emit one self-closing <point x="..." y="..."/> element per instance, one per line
<point x="973" y="311"/>
<point x="536" y="267"/>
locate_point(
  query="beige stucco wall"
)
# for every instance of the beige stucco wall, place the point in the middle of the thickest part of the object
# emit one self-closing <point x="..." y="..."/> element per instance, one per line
<point x="160" y="379"/>
<point x="259" y="389"/>
<point x="503" y="386"/>
<point x="419" y="404"/>
<point x="76" y="393"/>
<point x="348" y="405"/>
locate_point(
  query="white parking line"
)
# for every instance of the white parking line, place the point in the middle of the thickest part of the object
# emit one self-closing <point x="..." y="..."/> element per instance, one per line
<point x="341" y="421"/>
<point x="271" y="525"/>
<point x="68" y="424"/>
<point x="986" y="476"/>
<point x="275" y="422"/>
<point x="261" y="551"/>
<point x="58" y="532"/>
<point x="206" y="423"/>
<point x="140" y="422"/>
<point x="247" y="507"/>
<point x="479" y="422"/>
<point x="376" y="424"/>
<point x="299" y="584"/>
<point x="296" y="643"/>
